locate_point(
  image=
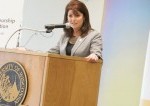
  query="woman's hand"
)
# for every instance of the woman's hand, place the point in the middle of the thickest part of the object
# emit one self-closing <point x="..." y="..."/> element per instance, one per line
<point x="92" y="58"/>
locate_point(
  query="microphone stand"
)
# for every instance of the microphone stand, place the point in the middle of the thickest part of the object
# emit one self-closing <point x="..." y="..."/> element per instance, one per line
<point x="18" y="40"/>
<point x="47" y="31"/>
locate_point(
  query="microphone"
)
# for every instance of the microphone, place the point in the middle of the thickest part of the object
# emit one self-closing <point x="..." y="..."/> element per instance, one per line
<point x="52" y="26"/>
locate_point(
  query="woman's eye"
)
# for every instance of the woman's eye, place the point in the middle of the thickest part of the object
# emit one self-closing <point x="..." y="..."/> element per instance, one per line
<point x="78" y="15"/>
<point x="69" y="15"/>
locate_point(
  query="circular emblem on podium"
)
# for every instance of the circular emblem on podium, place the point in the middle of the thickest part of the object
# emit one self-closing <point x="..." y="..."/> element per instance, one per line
<point x="13" y="84"/>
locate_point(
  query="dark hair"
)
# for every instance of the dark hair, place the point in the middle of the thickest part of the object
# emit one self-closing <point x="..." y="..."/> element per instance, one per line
<point x="77" y="5"/>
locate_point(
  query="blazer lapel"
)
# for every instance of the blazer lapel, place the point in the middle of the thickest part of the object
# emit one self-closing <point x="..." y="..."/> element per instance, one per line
<point x="79" y="41"/>
<point x="63" y="47"/>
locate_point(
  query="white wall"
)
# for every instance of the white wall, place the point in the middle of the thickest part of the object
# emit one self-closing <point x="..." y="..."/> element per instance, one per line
<point x="10" y="20"/>
<point x="145" y="91"/>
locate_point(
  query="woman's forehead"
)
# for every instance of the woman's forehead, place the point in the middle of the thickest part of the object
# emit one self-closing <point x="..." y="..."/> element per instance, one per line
<point x="74" y="12"/>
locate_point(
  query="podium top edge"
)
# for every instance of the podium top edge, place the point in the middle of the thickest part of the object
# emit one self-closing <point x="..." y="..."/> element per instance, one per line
<point x="72" y="57"/>
<point x="44" y="54"/>
<point x="14" y="50"/>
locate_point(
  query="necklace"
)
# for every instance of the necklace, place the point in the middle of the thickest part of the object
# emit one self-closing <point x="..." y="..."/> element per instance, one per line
<point x="73" y="39"/>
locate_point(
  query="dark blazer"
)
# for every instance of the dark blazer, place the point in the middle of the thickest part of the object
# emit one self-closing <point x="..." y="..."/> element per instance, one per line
<point x="84" y="46"/>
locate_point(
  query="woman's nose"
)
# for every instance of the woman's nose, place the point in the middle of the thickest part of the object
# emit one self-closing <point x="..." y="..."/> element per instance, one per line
<point x="73" y="18"/>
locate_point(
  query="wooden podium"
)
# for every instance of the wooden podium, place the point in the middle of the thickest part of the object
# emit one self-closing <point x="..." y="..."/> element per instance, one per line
<point x="55" y="80"/>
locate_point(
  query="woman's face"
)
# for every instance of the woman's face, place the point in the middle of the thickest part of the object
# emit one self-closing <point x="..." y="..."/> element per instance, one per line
<point x="76" y="19"/>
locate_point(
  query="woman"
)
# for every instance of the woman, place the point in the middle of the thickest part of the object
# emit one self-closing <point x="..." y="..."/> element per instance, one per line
<point x="80" y="39"/>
